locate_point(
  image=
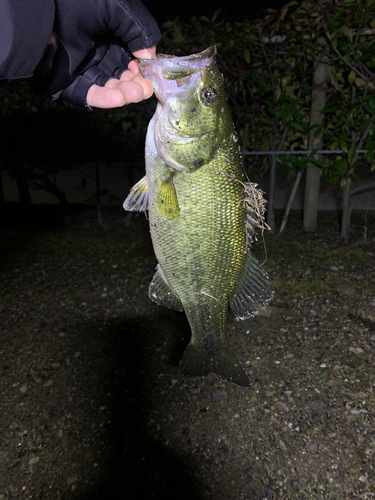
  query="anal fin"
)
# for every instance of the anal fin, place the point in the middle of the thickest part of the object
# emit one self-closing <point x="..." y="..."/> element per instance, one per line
<point x="254" y="290"/>
<point x="161" y="292"/>
<point x="137" y="200"/>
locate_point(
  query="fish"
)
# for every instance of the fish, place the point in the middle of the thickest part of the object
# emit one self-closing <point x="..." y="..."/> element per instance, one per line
<point x="203" y="213"/>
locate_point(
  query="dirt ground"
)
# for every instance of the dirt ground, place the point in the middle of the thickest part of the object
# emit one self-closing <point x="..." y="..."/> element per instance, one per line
<point x="93" y="404"/>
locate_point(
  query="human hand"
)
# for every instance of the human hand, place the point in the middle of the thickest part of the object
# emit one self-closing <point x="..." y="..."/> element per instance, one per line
<point x="131" y="87"/>
<point x="93" y="66"/>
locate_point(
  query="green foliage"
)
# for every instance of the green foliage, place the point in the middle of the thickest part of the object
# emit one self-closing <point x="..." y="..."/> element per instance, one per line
<point x="268" y="66"/>
<point x="268" y="85"/>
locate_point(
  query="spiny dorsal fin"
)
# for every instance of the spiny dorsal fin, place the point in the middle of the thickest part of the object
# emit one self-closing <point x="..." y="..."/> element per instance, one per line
<point x="254" y="290"/>
<point x="161" y="292"/>
<point x="137" y="200"/>
<point x="166" y="199"/>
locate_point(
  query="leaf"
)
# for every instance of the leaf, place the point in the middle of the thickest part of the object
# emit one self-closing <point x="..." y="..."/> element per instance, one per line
<point x="342" y="144"/>
<point x="351" y="77"/>
<point x="246" y="55"/>
<point x="284" y="82"/>
<point x="340" y="166"/>
<point x="361" y="84"/>
<point x="265" y="145"/>
<point x="354" y="177"/>
<point x="345" y="30"/>
<point x="196" y="25"/>
<point x="343" y="184"/>
<point x="318" y="131"/>
<point x="369" y="155"/>
<point x="370" y="105"/>
<point x="351" y="153"/>
<point x="177" y="35"/>
<point x="332" y="179"/>
<point x="318" y="163"/>
<point x="167" y="24"/>
<point x="216" y="14"/>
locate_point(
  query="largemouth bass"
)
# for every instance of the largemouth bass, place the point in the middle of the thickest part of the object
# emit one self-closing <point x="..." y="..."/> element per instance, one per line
<point x="202" y="213"/>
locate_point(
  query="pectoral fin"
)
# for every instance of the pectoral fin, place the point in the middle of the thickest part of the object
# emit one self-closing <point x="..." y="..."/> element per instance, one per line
<point x="254" y="290"/>
<point x="166" y="199"/>
<point x="161" y="292"/>
<point x="137" y="200"/>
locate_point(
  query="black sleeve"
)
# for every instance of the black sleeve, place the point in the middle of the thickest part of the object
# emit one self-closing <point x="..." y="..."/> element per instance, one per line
<point x="25" y="28"/>
<point x="95" y="40"/>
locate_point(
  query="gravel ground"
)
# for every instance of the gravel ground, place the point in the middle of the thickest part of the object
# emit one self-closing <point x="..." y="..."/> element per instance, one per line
<point x="93" y="405"/>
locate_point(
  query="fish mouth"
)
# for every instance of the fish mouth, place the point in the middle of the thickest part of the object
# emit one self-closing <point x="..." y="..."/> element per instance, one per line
<point x="169" y="73"/>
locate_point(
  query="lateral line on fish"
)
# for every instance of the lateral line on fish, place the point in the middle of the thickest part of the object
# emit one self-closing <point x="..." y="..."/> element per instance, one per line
<point x="208" y="295"/>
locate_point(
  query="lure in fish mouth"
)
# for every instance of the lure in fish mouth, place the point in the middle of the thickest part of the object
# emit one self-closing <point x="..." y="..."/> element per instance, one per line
<point x="202" y="212"/>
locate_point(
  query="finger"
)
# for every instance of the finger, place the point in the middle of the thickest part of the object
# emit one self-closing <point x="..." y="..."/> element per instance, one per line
<point x="146" y="85"/>
<point x="116" y="93"/>
<point x="104" y="97"/>
<point x="136" y="90"/>
<point x="149" y="53"/>
<point x="129" y="74"/>
<point x="133" y="67"/>
<point x="129" y="77"/>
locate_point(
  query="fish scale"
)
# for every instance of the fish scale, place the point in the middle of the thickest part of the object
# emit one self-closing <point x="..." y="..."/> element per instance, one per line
<point x="199" y="211"/>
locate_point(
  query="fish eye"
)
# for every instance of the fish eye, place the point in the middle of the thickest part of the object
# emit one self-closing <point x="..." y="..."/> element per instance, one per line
<point x="209" y="95"/>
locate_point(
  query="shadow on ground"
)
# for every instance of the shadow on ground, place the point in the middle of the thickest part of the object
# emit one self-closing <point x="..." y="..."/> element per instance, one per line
<point x="135" y="463"/>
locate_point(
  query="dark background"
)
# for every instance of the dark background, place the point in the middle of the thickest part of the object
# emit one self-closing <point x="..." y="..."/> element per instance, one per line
<point x="231" y="11"/>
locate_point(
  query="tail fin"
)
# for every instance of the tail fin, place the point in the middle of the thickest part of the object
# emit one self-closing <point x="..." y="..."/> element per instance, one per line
<point x="198" y="361"/>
